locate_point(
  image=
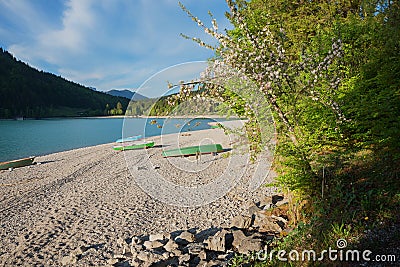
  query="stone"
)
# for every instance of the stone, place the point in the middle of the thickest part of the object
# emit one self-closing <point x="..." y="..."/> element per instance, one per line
<point x="185" y="237"/>
<point x="184" y="258"/>
<point x="245" y="244"/>
<point x="112" y="261"/>
<point x="158" y="237"/>
<point x="152" y="244"/>
<point x="216" y="263"/>
<point x="165" y="255"/>
<point x="149" y="257"/>
<point x="269" y="225"/>
<point x="202" y="263"/>
<point x="195" y="248"/>
<point x="69" y="260"/>
<point x="170" y="246"/>
<point x="119" y="256"/>
<point x="136" y="241"/>
<point x="249" y="244"/>
<point x="241" y="222"/>
<point x="202" y="255"/>
<point x="265" y="203"/>
<point x="176" y="252"/>
<point x="253" y="210"/>
<point x="276" y="199"/>
<point x="217" y="242"/>
<point x="238" y="237"/>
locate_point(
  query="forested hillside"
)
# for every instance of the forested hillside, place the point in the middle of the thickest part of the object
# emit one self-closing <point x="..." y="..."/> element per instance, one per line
<point x="25" y="91"/>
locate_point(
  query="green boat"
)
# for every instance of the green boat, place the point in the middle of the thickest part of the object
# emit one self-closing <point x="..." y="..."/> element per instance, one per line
<point x="16" y="163"/>
<point x="193" y="150"/>
<point x="134" y="146"/>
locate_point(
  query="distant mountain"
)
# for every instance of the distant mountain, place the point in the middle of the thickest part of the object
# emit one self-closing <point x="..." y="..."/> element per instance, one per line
<point x="27" y="92"/>
<point x="127" y="94"/>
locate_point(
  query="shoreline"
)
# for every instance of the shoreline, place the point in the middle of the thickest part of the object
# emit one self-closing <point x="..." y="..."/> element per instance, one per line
<point x="48" y="148"/>
<point x="213" y="116"/>
<point x="93" y="197"/>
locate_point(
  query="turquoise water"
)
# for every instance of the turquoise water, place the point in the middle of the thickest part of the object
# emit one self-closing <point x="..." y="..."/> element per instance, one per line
<point x="19" y="139"/>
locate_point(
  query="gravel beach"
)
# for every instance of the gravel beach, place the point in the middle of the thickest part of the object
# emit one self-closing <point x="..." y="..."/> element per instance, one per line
<point x="95" y="197"/>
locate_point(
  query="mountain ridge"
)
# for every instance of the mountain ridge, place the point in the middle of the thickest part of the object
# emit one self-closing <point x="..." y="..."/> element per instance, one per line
<point x="28" y="92"/>
<point x="131" y="95"/>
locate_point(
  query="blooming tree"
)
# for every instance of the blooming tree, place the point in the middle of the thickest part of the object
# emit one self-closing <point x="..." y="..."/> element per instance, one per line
<point x="294" y="83"/>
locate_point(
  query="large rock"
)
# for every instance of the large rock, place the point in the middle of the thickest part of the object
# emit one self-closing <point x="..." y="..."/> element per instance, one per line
<point x="245" y="244"/>
<point x="217" y="242"/>
<point x="238" y="237"/>
<point x="266" y="223"/>
<point x="253" y="210"/>
<point x="184" y="258"/>
<point x="241" y="222"/>
<point x="69" y="260"/>
<point x="185" y="237"/>
<point x="152" y="244"/>
<point x="159" y="237"/>
<point x="171" y="245"/>
<point x="195" y="248"/>
<point x="149" y="258"/>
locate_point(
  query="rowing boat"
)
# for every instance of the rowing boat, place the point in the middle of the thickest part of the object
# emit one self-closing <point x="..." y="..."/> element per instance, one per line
<point x="129" y="139"/>
<point x="140" y="145"/>
<point x="16" y="163"/>
<point x="193" y="150"/>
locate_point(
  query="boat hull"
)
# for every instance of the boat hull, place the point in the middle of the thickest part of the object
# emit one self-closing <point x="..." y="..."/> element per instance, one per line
<point x="134" y="146"/>
<point x="16" y="163"/>
<point x="193" y="150"/>
<point x="129" y="139"/>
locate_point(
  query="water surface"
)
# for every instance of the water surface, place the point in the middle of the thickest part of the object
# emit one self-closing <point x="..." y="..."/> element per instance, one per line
<point x="19" y="139"/>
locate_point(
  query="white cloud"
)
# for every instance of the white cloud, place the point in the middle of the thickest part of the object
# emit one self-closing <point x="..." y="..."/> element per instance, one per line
<point x="110" y="44"/>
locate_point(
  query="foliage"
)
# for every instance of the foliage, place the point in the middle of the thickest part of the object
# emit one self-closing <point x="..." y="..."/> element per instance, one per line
<point x="25" y="91"/>
<point x="329" y="73"/>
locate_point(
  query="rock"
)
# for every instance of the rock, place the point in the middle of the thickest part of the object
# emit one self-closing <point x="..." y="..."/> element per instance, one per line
<point x="276" y="199"/>
<point x="69" y="260"/>
<point x="170" y="246"/>
<point x="176" y="252"/>
<point x="216" y="263"/>
<point x="253" y="210"/>
<point x="158" y="237"/>
<point x="249" y="244"/>
<point x="269" y="225"/>
<point x="112" y="261"/>
<point x="202" y="255"/>
<point x="152" y="244"/>
<point x="241" y="222"/>
<point x="136" y="241"/>
<point x="149" y="257"/>
<point x="195" y="248"/>
<point x="202" y="263"/>
<point x="184" y="238"/>
<point x="217" y="242"/>
<point x="119" y="256"/>
<point x="245" y="244"/>
<point x="136" y="262"/>
<point x="265" y="203"/>
<point x="135" y="249"/>
<point x="184" y="258"/>
<point x="238" y="237"/>
<point x="165" y="255"/>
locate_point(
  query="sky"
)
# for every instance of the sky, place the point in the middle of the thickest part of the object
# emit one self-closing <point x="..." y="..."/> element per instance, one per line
<point x="110" y="44"/>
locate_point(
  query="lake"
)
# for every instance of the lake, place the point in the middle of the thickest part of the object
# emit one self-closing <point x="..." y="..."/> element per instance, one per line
<point x="19" y="139"/>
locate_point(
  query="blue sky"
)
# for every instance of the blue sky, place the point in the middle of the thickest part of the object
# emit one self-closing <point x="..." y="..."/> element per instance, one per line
<point x="107" y="44"/>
